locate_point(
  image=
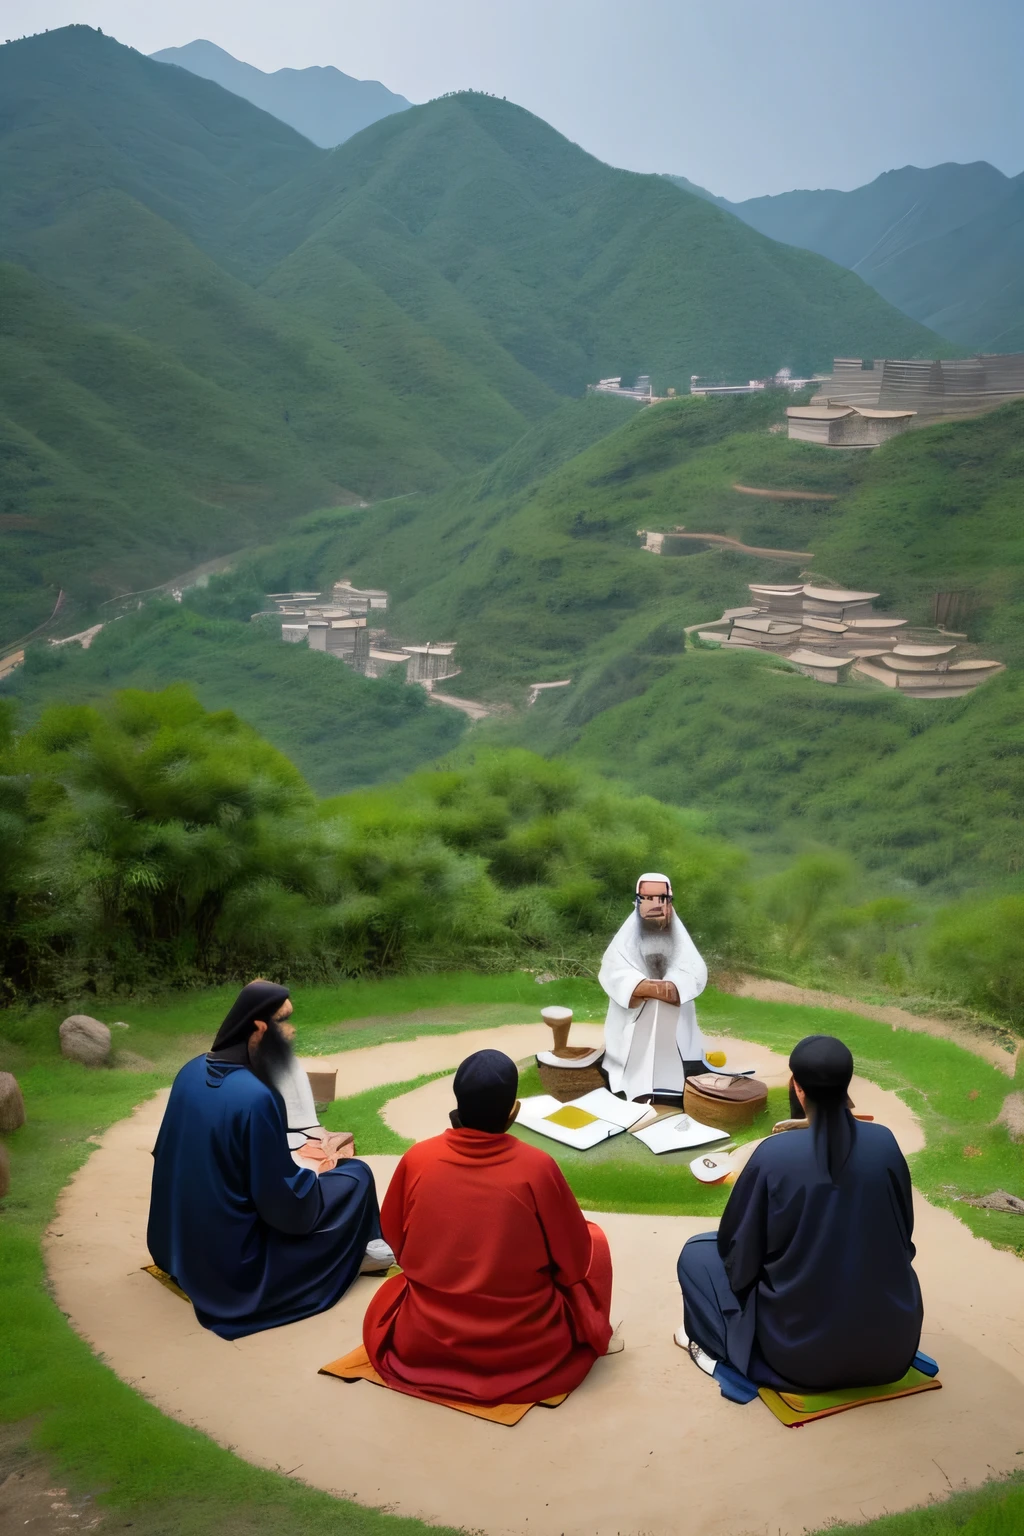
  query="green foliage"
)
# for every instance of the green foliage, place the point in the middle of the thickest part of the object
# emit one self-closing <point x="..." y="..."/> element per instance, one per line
<point x="978" y="949"/>
<point x="341" y="730"/>
<point x="154" y="842"/>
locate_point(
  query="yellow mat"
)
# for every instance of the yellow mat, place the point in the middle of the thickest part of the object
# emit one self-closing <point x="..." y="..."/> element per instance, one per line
<point x="165" y="1279"/>
<point x="796" y="1408"/>
<point x="356" y="1366"/>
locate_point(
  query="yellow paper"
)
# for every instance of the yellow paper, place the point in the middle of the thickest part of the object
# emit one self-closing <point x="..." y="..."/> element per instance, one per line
<point x="572" y="1118"/>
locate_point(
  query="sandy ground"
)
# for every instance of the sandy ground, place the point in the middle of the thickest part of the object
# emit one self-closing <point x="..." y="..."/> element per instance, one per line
<point x="644" y="1446"/>
<point x="986" y="1045"/>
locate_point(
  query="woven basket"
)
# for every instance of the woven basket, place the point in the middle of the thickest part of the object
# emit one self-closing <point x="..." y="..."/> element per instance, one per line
<point x="566" y="1083"/>
<point x="737" y="1103"/>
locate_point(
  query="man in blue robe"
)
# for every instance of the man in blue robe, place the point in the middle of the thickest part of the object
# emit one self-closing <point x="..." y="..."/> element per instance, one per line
<point x="252" y="1239"/>
<point x="809" y="1282"/>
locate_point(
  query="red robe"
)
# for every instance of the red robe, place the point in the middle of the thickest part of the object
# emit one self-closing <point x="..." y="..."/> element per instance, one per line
<point x="506" y="1287"/>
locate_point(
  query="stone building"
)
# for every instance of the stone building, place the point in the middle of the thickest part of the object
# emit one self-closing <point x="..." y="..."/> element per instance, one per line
<point x="829" y="634"/>
<point x="928" y="387"/>
<point x="429" y="664"/>
<point x="845" y="426"/>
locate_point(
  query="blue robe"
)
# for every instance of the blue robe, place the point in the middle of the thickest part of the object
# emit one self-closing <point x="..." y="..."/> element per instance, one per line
<point x="251" y="1238"/>
<point x="810" y="1282"/>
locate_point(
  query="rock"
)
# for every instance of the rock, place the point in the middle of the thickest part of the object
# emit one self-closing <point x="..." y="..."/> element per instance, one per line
<point x="12" y="1105"/>
<point x="1012" y="1116"/>
<point x="544" y="978"/>
<point x="5" y="1170"/>
<point x="998" y="1200"/>
<point x="85" y="1040"/>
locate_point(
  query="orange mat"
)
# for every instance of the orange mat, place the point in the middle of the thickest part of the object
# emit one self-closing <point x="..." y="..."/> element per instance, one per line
<point x="356" y="1367"/>
<point x="165" y="1279"/>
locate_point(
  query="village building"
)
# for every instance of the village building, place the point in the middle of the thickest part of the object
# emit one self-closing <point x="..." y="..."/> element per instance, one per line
<point x="430" y="664"/>
<point x="845" y="426"/>
<point x="829" y="634"/>
<point x="930" y="388"/>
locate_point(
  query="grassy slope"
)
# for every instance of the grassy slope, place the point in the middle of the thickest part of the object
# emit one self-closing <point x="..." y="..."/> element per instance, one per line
<point x="535" y="568"/>
<point x="423" y="294"/>
<point x="341" y="730"/>
<point x="101" y="1436"/>
<point x="573" y="268"/>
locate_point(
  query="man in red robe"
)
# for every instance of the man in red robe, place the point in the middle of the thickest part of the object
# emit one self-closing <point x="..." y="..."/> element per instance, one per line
<point x="506" y="1288"/>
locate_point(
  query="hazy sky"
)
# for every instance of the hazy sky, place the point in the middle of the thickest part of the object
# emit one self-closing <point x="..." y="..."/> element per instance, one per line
<point x="742" y="96"/>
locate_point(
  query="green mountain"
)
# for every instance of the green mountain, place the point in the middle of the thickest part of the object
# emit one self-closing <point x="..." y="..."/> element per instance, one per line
<point x="945" y="245"/>
<point x="325" y="105"/>
<point x="216" y="326"/>
<point x="534" y="567"/>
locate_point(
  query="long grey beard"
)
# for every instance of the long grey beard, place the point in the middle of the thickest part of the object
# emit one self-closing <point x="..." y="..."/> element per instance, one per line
<point x="656" y="946"/>
<point x="272" y="1058"/>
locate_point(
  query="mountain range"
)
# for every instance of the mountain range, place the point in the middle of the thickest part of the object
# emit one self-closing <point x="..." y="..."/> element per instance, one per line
<point x="325" y="105"/>
<point x="213" y="325"/>
<point x="944" y="245"/>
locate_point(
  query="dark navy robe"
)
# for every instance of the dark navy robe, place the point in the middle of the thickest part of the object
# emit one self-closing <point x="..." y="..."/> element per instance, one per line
<point x="253" y="1240"/>
<point x="822" y="1272"/>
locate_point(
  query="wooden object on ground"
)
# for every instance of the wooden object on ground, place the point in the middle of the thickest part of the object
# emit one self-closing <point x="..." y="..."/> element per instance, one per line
<point x="724" y="1102"/>
<point x="323" y="1086"/>
<point x="567" y="1082"/>
<point x="12" y="1105"/>
<point x="559" y="1021"/>
<point x="85" y="1040"/>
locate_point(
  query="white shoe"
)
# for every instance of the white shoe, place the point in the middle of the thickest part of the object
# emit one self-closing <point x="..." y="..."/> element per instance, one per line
<point x="616" y="1344"/>
<point x="705" y="1362"/>
<point x="680" y="1338"/>
<point x="377" y="1259"/>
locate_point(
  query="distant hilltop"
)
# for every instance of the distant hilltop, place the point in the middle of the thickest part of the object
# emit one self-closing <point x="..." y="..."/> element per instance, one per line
<point x="322" y="103"/>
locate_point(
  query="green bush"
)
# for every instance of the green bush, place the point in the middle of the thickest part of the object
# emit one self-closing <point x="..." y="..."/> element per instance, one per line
<point x="148" y="842"/>
<point x="977" y="950"/>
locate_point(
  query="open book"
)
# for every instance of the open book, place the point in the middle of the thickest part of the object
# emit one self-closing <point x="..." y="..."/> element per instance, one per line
<point x="674" y="1132"/>
<point x="583" y="1122"/>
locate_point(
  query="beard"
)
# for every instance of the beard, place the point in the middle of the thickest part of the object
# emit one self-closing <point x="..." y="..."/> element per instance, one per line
<point x="272" y="1056"/>
<point x="656" y="945"/>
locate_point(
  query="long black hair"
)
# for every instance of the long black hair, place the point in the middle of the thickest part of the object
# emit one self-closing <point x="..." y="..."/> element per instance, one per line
<point x="823" y="1067"/>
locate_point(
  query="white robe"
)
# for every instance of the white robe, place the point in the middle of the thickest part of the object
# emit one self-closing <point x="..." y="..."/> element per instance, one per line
<point x="645" y="1047"/>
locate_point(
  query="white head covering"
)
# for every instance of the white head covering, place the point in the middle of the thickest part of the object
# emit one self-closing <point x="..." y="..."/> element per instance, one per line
<point x="661" y="879"/>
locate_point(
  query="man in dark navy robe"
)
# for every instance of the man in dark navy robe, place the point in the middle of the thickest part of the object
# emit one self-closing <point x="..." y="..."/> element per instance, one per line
<point x="252" y="1239"/>
<point x="809" y="1282"/>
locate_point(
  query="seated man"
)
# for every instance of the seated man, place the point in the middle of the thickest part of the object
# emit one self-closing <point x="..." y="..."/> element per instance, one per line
<point x="253" y="1240"/>
<point x="506" y="1287"/>
<point x="809" y="1283"/>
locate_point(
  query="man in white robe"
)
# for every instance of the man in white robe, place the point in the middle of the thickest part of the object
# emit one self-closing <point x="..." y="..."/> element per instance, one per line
<point x="651" y="972"/>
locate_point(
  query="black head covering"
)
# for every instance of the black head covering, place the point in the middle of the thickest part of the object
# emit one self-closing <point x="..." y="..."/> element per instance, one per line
<point x="486" y="1085"/>
<point x="823" y="1066"/>
<point x="259" y="1000"/>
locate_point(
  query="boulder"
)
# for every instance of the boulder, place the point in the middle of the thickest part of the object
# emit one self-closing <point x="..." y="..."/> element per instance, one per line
<point x="85" y="1040"/>
<point x="5" y="1170"/>
<point x="12" y="1105"/>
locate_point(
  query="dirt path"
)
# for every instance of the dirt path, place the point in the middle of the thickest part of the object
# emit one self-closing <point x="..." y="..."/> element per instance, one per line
<point x="754" y="490"/>
<point x="723" y="541"/>
<point x="615" y="1457"/>
<point x="997" y="1047"/>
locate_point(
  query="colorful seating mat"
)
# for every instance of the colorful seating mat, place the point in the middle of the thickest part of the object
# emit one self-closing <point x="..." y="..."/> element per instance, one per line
<point x="796" y="1408"/>
<point x="356" y="1366"/>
